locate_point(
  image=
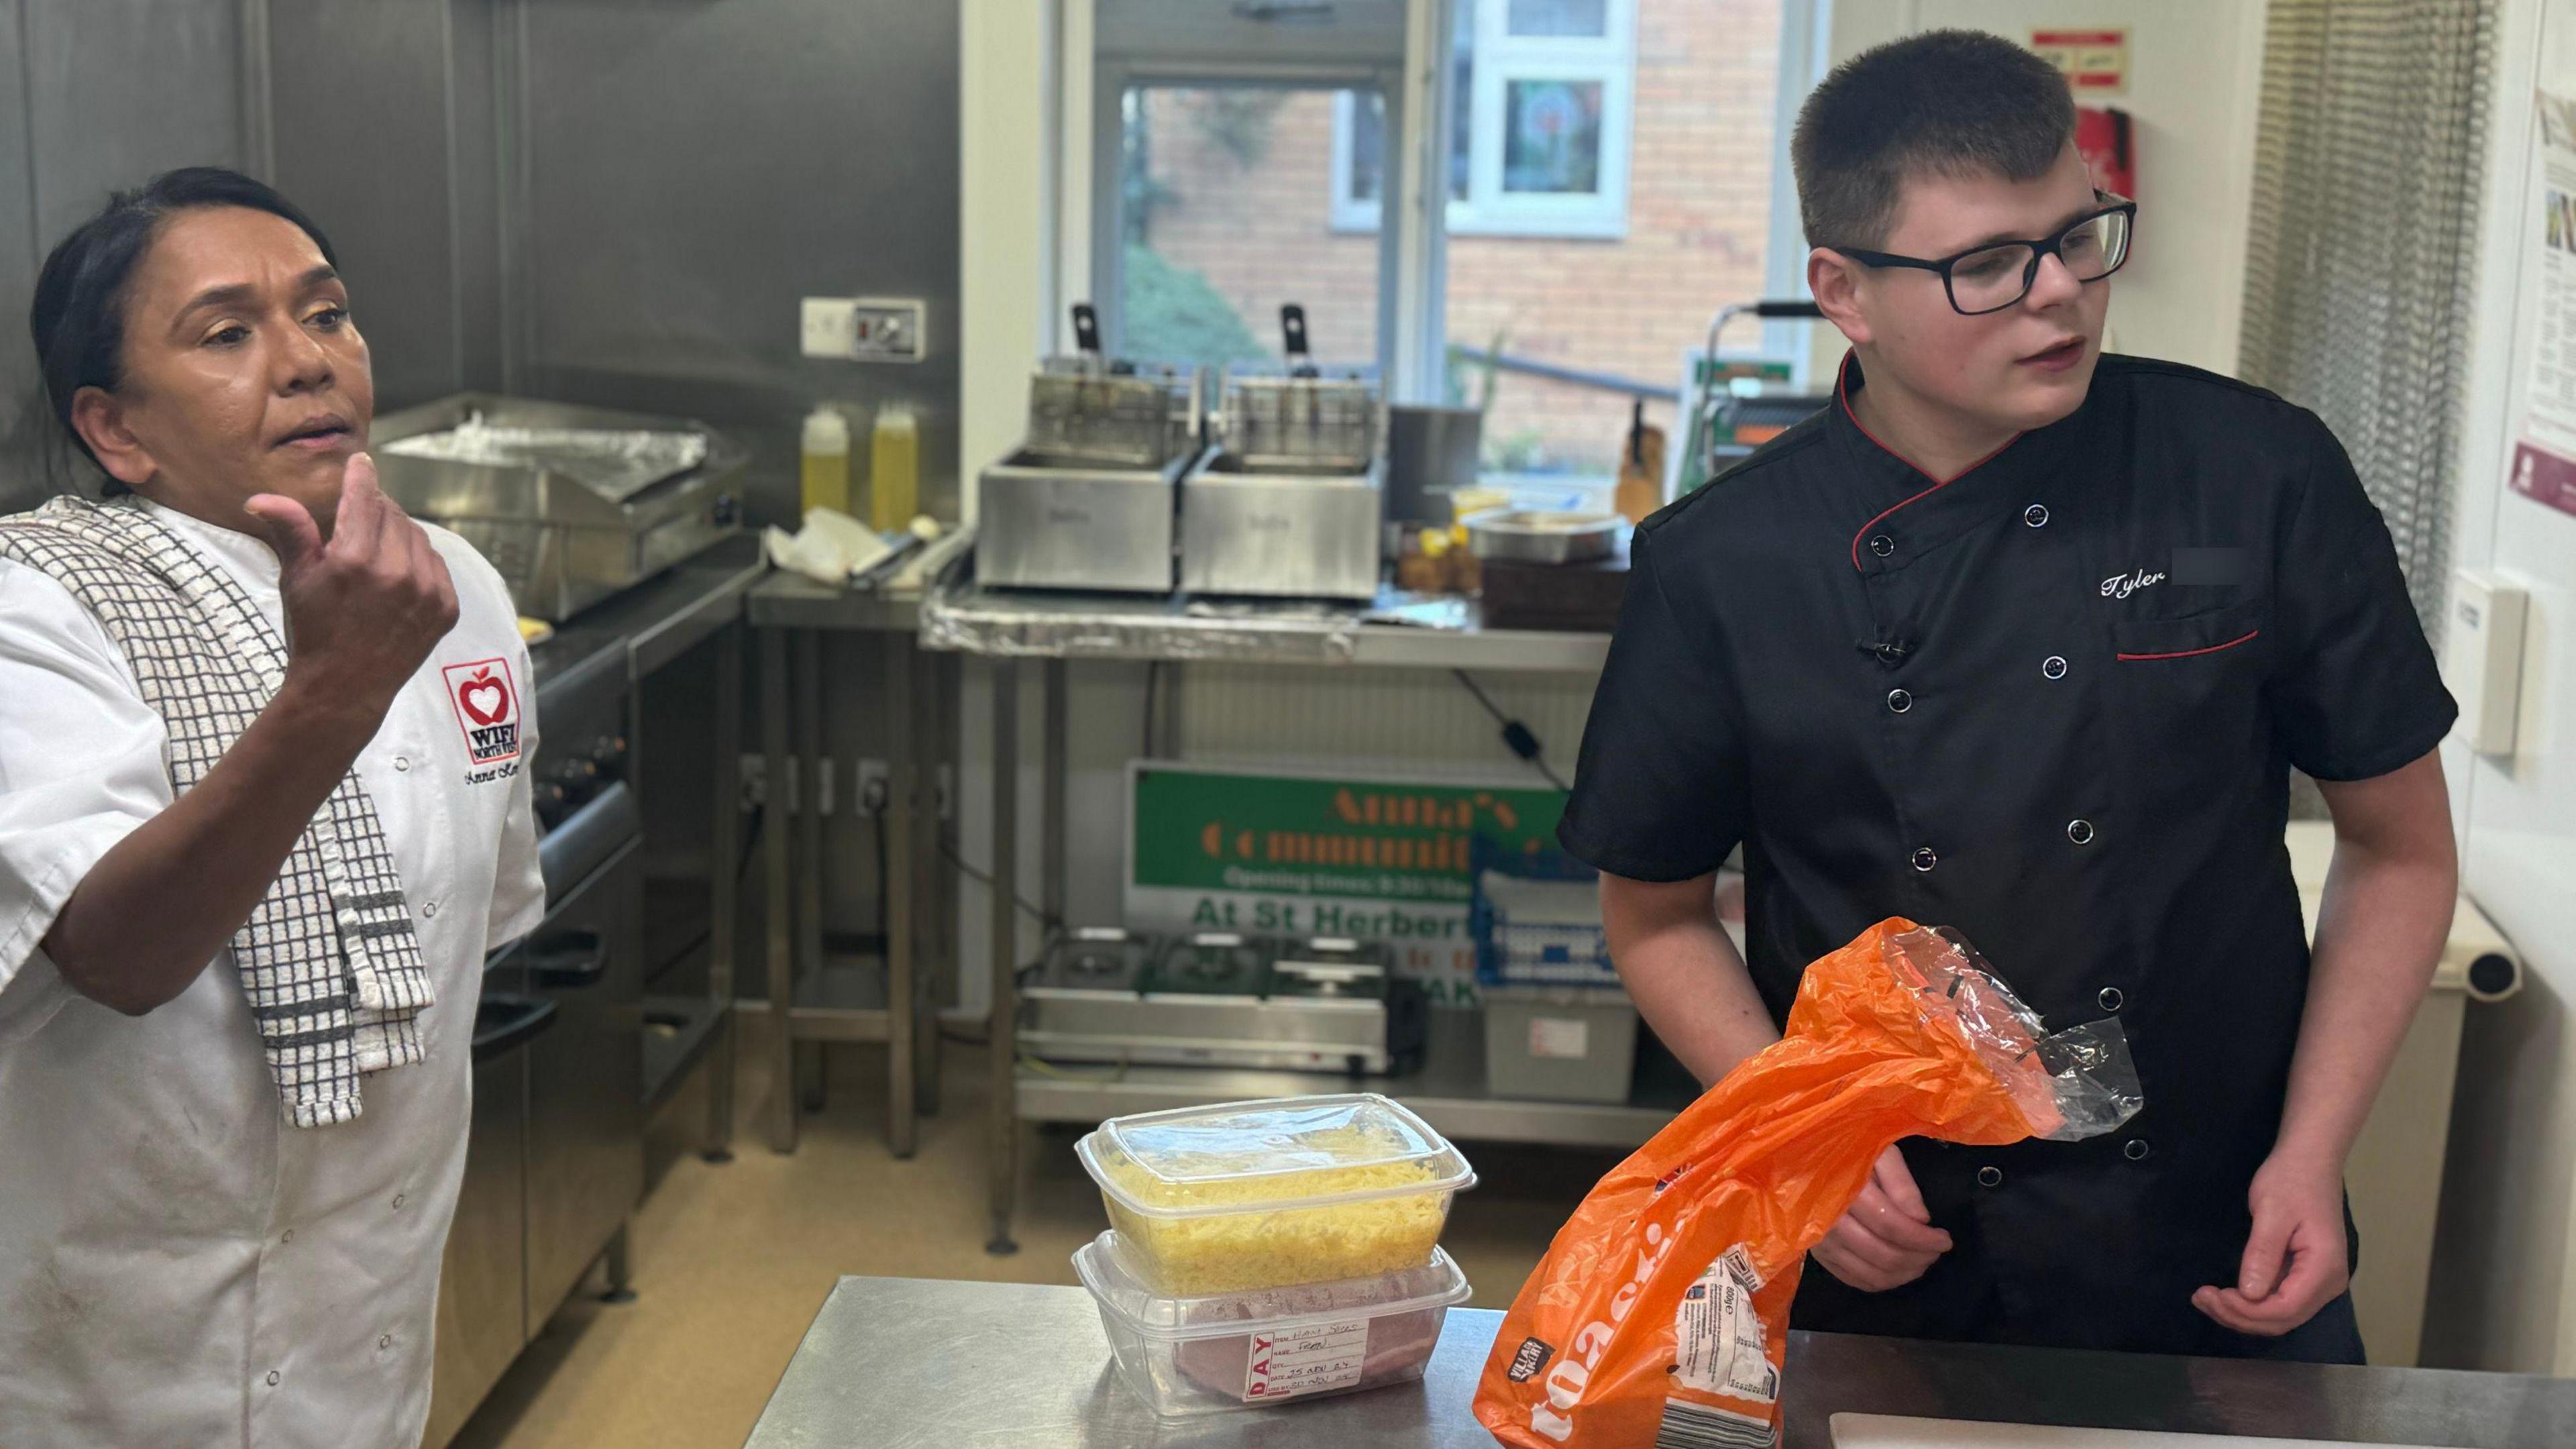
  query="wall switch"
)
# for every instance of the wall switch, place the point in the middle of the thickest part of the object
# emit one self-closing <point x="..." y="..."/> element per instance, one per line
<point x="885" y="329"/>
<point x="828" y="324"/>
<point x="2482" y="658"/>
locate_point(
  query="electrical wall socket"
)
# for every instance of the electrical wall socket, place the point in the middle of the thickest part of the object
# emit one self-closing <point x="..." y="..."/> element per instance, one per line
<point x="862" y="329"/>
<point x="755" y="783"/>
<point x="828" y="326"/>
<point x="875" y="779"/>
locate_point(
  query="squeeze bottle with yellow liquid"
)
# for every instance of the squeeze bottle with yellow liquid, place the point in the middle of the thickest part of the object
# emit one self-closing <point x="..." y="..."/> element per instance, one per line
<point x="894" y="470"/>
<point x="826" y="460"/>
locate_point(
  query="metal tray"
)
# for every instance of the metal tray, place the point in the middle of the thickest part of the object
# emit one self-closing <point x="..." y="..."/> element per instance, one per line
<point x="1547" y="538"/>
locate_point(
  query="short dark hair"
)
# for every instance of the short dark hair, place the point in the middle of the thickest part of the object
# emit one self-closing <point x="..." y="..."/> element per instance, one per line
<point x="1944" y="103"/>
<point x="78" y="316"/>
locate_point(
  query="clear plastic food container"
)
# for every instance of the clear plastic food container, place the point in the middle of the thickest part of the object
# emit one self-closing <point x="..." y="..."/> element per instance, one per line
<point x="1247" y="1195"/>
<point x="1203" y="1355"/>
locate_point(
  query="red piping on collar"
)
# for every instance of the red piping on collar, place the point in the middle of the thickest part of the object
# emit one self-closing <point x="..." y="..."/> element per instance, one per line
<point x="1842" y="394"/>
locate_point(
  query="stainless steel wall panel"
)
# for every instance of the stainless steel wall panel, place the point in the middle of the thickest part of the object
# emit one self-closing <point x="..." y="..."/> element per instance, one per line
<point x="359" y="123"/>
<point x="694" y="170"/>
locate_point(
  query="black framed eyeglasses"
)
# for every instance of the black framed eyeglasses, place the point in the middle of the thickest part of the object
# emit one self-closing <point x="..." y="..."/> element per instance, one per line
<point x="1999" y="274"/>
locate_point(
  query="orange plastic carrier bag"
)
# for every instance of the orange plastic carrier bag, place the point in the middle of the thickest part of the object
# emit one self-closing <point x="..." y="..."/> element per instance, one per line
<point x="1660" y="1314"/>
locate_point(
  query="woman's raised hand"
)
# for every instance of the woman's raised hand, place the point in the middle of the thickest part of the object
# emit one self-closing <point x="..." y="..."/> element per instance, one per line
<point x="363" y="607"/>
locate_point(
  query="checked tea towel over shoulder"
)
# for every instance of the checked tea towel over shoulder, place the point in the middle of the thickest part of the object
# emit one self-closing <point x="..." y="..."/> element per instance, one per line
<point x="328" y="960"/>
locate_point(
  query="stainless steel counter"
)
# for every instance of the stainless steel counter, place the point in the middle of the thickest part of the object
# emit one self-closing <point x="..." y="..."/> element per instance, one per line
<point x="1053" y="629"/>
<point x="895" y="1363"/>
<point x="1031" y="625"/>
<point x="1448" y="1090"/>
<point x="654" y="622"/>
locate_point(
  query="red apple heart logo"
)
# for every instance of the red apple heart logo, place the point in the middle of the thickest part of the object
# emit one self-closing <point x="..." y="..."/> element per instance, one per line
<point x="485" y="698"/>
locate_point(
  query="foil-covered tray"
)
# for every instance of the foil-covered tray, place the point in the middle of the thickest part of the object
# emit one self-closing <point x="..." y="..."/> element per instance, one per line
<point x="617" y="463"/>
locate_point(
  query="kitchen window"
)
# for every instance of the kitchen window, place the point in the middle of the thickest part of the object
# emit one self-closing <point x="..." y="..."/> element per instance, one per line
<point x="1542" y="98"/>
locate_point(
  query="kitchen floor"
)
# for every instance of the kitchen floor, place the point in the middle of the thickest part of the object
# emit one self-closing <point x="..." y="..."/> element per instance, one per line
<point x="730" y="1263"/>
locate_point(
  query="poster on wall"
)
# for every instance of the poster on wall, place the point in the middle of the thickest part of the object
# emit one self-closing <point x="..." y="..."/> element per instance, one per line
<point x="1283" y="854"/>
<point x="2095" y="62"/>
<point x="2543" y="468"/>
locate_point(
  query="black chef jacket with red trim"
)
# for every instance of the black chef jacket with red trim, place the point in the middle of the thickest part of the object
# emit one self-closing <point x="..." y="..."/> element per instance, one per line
<point x="2052" y="702"/>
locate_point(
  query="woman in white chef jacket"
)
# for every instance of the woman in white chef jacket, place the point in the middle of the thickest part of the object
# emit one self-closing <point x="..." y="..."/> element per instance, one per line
<point x="236" y="1011"/>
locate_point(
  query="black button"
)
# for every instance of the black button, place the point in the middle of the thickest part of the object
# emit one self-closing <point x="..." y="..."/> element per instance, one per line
<point x="2080" y="831"/>
<point x="2135" y="1149"/>
<point x="1899" y="701"/>
<point x="2111" y="998"/>
<point x="2035" y="515"/>
<point x="2053" y="666"/>
<point x="1882" y="545"/>
<point x="1990" y="1176"/>
<point x="1924" y="860"/>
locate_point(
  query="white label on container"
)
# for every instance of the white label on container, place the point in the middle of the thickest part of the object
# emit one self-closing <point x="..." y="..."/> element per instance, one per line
<point x="1305" y="1360"/>
<point x="1553" y="1036"/>
<point x="1718" y="1336"/>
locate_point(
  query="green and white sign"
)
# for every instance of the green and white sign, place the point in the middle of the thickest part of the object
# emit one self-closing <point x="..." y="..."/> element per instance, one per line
<point x="1312" y="855"/>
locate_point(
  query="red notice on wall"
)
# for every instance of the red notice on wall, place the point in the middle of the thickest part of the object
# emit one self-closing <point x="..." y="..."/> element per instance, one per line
<point x="2544" y="477"/>
<point x="2094" y="62"/>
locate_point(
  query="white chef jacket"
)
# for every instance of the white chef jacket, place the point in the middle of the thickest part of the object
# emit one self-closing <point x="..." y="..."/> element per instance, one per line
<point x="178" y="1265"/>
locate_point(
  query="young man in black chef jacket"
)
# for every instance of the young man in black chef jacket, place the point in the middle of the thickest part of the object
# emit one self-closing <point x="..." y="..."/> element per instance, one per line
<point x="2024" y="639"/>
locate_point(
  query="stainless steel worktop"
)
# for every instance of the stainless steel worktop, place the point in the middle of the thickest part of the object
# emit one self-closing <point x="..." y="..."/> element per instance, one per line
<point x="896" y="1363"/>
<point x="1031" y="625"/>
<point x="651" y="623"/>
<point x="1448" y="1090"/>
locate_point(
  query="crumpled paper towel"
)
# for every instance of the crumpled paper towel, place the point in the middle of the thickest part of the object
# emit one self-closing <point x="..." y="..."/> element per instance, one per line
<point x="828" y="549"/>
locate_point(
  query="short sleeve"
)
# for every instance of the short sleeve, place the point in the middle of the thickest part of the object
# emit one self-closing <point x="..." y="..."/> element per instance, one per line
<point x="1660" y="787"/>
<point x="80" y="767"/>
<point x="2357" y="692"/>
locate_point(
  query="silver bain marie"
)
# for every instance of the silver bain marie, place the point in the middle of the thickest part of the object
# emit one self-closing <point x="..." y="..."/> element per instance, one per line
<point x="1221" y="1000"/>
<point x="1045" y="521"/>
<point x="1087" y="502"/>
<point x="1291" y="505"/>
<point x="572" y="504"/>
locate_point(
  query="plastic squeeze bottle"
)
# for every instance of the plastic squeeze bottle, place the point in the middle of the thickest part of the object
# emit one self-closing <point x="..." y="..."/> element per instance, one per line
<point x="826" y="460"/>
<point x="894" y="470"/>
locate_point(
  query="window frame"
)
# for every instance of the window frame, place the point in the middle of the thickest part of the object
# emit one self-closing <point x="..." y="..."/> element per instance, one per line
<point x="1115" y="77"/>
<point x="1502" y="58"/>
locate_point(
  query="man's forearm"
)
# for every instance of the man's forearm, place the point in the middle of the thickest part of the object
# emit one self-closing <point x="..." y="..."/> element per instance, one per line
<point x="147" y="918"/>
<point x="2387" y="911"/>
<point x="1687" y="978"/>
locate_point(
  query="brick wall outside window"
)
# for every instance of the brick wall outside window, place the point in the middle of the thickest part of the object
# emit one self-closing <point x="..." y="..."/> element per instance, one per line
<point x="1255" y="219"/>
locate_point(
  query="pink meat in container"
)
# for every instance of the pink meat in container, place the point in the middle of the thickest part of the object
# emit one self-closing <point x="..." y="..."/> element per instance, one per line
<point x="1220" y="1351"/>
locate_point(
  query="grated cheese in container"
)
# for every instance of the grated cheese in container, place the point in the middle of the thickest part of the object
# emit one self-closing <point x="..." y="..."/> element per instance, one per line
<point x="1250" y="1195"/>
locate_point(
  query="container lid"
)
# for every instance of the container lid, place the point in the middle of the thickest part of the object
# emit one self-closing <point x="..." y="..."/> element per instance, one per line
<point x="1280" y="1152"/>
<point x="1122" y="1294"/>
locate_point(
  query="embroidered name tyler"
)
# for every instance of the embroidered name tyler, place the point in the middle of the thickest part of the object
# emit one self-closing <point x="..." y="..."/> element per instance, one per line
<point x="2120" y="586"/>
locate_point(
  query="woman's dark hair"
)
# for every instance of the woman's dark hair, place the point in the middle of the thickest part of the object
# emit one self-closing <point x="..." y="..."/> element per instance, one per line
<point x="78" y="317"/>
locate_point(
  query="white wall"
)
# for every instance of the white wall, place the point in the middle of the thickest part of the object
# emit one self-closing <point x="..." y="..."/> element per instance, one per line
<point x="2195" y="69"/>
<point x="2502" y="1294"/>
